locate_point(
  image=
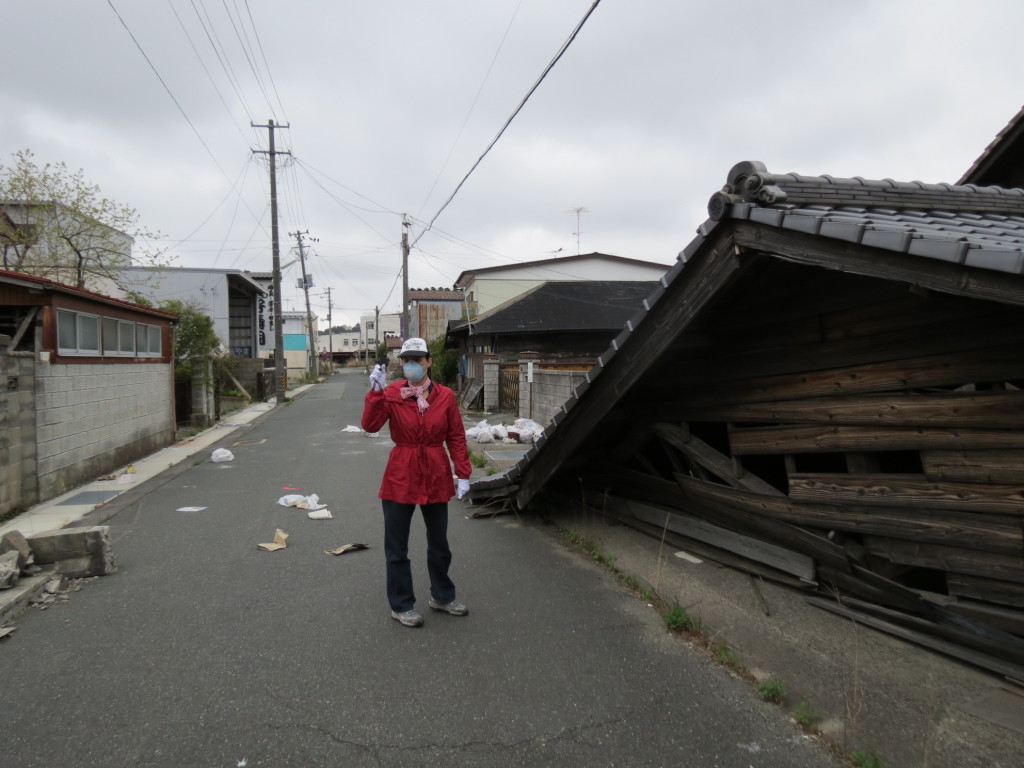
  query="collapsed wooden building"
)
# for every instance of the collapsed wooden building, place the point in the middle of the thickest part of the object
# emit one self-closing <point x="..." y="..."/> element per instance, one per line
<point x="825" y="390"/>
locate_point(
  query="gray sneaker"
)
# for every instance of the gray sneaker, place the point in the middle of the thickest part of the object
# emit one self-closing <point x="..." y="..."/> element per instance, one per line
<point x="455" y="608"/>
<point x="408" y="618"/>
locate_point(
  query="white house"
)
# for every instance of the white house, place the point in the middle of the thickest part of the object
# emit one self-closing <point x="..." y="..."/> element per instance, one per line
<point x="489" y="287"/>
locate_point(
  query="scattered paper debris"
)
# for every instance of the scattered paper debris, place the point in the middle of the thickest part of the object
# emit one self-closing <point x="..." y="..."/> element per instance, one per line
<point x="190" y="509"/>
<point x="301" y="502"/>
<point x="345" y="548"/>
<point x="280" y="539"/>
<point x="373" y="434"/>
<point x="351" y="428"/>
<point x="689" y="558"/>
<point x="320" y="514"/>
<point x="222" y="454"/>
<point x="125" y="479"/>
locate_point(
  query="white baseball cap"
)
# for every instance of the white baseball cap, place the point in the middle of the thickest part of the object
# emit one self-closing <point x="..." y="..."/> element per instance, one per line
<point x="414" y="347"/>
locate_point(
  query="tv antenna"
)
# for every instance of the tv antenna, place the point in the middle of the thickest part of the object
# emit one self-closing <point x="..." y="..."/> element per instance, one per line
<point x="578" y="211"/>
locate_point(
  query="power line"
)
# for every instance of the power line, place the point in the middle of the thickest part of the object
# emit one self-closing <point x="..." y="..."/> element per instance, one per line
<point x="508" y="122"/>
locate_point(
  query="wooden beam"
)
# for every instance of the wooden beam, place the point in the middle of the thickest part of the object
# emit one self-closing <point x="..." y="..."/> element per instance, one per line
<point x="990" y="590"/>
<point x="821" y="438"/>
<point x="779" y="558"/>
<point x="1003" y="362"/>
<point x="853" y="258"/>
<point x="25" y="324"/>
<point x="957" y="560"/>
<point x="935" y="410"/>
<point x="738" y="509"/>
<point x="913" y="491"/>
<point x="771" y="351"/>
<point x="987" y="533"/>
<point x="699" y="452"/>
<point x="965" y="466"/>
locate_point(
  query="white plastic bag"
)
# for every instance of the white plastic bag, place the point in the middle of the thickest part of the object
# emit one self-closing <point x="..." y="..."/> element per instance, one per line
<point x="302" y="502"/>
<point x="499" y="431"/>
<point x="222" y="454"/>
<point x="485" y="436"/>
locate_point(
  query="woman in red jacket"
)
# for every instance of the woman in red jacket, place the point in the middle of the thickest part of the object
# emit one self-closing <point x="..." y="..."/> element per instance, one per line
<point x="423" y="417"/>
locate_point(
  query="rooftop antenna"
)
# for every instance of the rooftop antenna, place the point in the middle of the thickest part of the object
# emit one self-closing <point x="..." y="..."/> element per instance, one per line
<point x="578" y="211"/>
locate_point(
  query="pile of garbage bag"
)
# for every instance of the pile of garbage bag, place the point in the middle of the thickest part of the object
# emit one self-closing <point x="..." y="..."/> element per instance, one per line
<point x="520" y="431"/>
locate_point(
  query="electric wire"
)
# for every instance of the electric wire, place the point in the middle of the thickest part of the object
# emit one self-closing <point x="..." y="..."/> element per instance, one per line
<point x="508" y="122"/>
<point x="472" y="106"/>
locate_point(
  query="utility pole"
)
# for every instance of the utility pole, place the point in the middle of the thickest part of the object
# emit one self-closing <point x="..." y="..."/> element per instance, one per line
<point x="405" y="277"/>
<point x="376" y="330"/>
<point x="312" y="361"/>
<point x="330" y="329"/>
<point x="280" y="375"/>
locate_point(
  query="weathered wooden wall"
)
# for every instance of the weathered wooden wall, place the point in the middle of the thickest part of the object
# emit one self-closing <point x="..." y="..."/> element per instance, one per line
<point x="867" y="427"/>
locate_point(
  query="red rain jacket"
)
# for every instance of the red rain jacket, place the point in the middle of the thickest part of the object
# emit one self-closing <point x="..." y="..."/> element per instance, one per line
<point x="418" y="470"/>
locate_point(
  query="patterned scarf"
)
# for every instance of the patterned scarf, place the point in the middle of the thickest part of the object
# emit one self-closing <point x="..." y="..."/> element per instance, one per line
<point x="420" y="392"/>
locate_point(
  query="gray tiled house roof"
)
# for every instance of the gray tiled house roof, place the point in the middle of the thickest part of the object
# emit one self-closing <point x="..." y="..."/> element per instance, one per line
<point x="975" y="226"/>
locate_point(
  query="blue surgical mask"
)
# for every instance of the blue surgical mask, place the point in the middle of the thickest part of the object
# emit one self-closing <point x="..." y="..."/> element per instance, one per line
<point x="413" y="371"/>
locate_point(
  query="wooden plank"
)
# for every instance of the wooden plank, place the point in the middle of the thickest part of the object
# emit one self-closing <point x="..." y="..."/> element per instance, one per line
<point x="995" y="363"/>
<point x="934" y="410"/>
<point x="780" y="558"/>
<point x="740" y="510"/>
<point x="983" y="466"/>
<point x="991" y="590"/>
<point x="957" y="560"/>
<point x="988" y="533"/>
<point x="854" y="258"/>
<point x="955" y="650"/>
<point x="770" y="355"/>
<point x="1001" y="617"/>
<point x="821" y="438"/>
<point x="699" y="548"/>
<point x="914" y="491"/>
<point x="699" y="452"/>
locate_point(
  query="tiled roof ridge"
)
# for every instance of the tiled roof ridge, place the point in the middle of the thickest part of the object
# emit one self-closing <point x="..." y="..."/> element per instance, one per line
<point x="750" y="182"/>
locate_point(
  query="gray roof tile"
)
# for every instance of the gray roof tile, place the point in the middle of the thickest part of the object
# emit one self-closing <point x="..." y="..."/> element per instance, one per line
<point x="955" y="223"/>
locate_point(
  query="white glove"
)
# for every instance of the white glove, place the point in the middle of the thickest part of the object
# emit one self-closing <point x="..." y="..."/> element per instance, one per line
<point x="378" y="379"/>
<point x="462" y="488"/>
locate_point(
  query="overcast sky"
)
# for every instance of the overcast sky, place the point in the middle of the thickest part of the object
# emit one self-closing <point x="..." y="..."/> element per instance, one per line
<point x="390" y="102"/>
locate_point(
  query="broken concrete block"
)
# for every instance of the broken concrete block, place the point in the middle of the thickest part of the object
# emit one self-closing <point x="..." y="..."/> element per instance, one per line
<point x="14" y="541"/>
<point x="76" y="552"/>
<point x="9" y="570"/>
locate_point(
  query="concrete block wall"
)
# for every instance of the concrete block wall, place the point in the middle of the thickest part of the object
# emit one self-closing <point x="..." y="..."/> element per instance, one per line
<point x="19" y="487"/>
<point x="550" y="390"/>
<point x="92" y="419"/>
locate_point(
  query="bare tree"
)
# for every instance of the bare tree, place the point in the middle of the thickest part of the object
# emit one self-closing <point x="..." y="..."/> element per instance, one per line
<point x="55" y="224"/>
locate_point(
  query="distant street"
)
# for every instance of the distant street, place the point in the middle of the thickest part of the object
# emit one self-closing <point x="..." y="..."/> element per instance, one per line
<point x="206" y="651"/>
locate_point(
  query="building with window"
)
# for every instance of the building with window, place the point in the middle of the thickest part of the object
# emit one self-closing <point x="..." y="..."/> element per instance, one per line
<point x="89" y="386"/>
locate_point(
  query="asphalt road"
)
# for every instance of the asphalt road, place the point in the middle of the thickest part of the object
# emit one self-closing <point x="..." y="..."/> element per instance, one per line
<point x="205" y="651"/>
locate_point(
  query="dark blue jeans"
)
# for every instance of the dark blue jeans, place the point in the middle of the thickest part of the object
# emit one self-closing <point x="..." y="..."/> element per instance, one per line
<point x="397" y="521"/>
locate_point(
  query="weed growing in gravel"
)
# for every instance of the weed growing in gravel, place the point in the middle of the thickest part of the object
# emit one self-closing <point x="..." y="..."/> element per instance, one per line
<point x="772" y="690"/>
<point x="865" y="758"/>
<point x="805" y="714"/>
<point x="677" y="618"/>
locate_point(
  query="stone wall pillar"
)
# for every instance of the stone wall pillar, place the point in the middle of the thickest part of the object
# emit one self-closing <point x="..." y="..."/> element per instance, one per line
<point x="491" y="369"/>
<point x="202" y="392"/>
